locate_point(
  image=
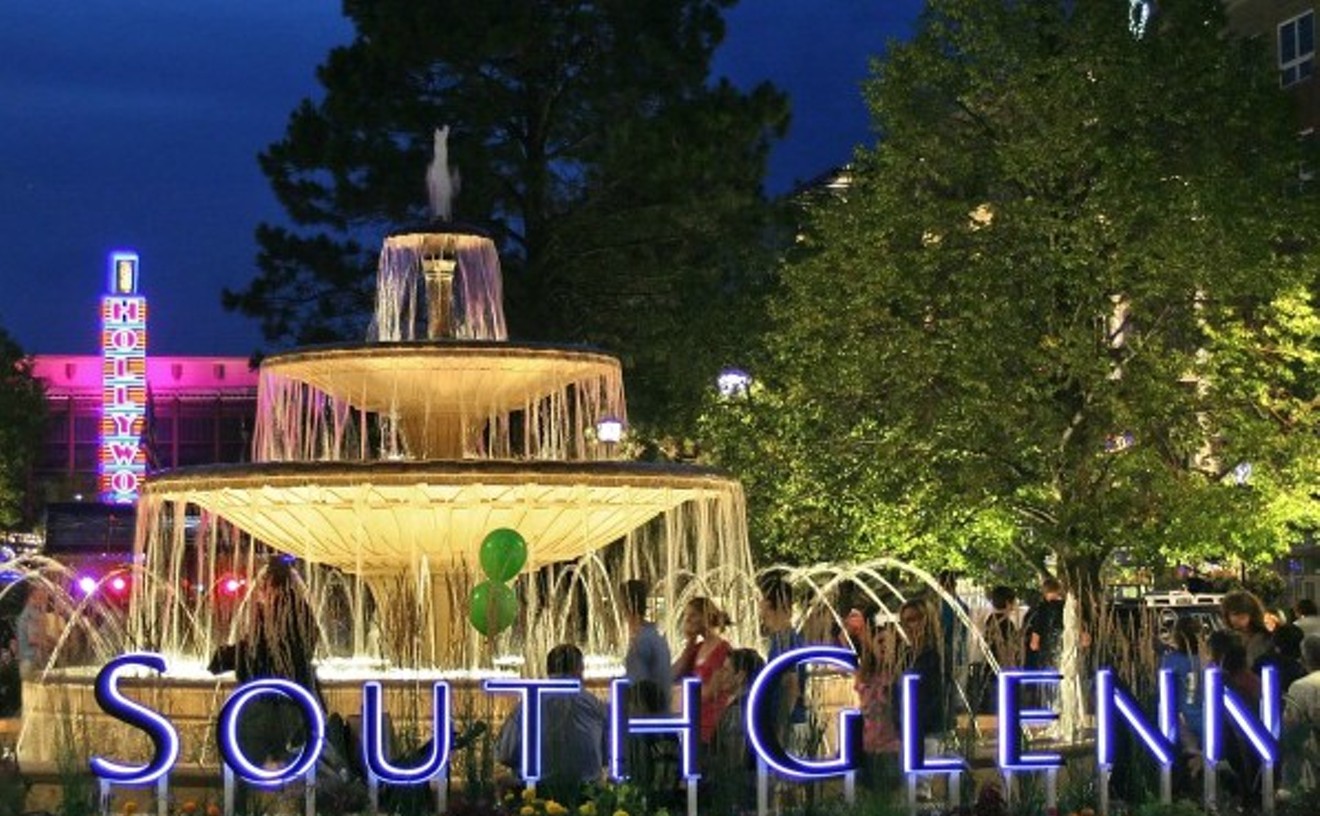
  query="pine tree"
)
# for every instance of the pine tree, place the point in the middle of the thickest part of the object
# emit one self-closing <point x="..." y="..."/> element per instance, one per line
<point x="622" y="184"/>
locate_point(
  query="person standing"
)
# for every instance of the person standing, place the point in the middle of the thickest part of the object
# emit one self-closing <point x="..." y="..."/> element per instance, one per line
<point x="279" y="640"/>
<point x="1308" y="617"/>
<point x="705" y="652"/>
<point x="1184" y="660"/>
<point x="647" y="659"/>
<point x="1301" y="717"/>
<point x="1003" y="644"/>
<point x="874" y="684"/>
<point x="919" y="655"/>
<point x="1044" y="629"/>
<point x="1228" y="652"/>
<point x="35" y="640"/>
<point x="787" y="700"/>
<point x="732" y="767"/>
<point x="1245" y="614"/>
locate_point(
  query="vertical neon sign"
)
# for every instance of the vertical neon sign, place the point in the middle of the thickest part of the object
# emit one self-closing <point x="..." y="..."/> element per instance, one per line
<point x="124" y="382"/>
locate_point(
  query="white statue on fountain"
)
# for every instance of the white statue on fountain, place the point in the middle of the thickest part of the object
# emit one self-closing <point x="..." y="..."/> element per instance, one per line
<point x="442" y="181"/>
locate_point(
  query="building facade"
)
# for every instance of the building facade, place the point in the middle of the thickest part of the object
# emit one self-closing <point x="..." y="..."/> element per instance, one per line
<point x="199" y="411"/>
<point x="1289" y="28"/>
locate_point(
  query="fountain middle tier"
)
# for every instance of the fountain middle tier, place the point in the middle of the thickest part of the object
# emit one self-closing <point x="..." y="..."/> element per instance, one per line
<point x="437" y="400"/>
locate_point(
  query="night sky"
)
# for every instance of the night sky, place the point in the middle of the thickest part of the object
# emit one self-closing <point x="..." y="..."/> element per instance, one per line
<point x="135" y="124"/>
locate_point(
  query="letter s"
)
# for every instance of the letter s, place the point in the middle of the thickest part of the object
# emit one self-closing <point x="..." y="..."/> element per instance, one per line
<point x="164" y="737"/>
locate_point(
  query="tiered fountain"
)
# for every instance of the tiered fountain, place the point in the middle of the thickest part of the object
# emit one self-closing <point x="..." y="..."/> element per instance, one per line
<point x="380" y="467"/>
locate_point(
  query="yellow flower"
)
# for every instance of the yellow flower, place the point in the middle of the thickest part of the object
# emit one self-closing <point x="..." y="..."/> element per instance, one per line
<point x="554" y="808"/>
<point x="620" y="812"/>
<point x="587" y="809"/>
<point x="527" y="810"/>
<point x="529" y="794"/>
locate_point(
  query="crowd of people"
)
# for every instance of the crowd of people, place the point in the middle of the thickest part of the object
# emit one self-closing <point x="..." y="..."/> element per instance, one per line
<point x="1250" y="640"/>
<point x="928" y="636"/>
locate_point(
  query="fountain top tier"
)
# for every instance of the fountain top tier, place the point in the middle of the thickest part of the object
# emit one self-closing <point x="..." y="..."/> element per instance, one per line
<point x="438" y="377"/>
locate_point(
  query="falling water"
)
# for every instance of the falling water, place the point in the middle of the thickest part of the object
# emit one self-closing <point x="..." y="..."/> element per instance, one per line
<point x="400" y="291"/>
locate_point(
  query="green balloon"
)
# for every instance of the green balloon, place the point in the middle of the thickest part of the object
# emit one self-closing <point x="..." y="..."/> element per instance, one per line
<point x="503" y="554"/>
<point x="492" y="608"/>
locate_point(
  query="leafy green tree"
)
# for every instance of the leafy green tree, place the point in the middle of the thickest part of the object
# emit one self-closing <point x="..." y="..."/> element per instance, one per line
<point x="22" y="428"/>
<point x="622" y="185"/>
<point x="1067" y="306"/>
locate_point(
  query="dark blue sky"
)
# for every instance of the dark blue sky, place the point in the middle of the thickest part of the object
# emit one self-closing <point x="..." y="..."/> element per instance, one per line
<point x="136" y="123"/>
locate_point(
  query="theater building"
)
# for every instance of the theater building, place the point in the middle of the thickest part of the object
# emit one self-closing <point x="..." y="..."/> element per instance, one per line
<point x="115" y="416"/>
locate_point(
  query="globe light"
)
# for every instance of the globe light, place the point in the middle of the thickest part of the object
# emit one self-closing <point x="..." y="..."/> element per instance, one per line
<point x="118" y="584"/>
<point x="87" y="585"/>
<point x="609" y="430"/>
<point x="733" y="382"/>
<point x="1242" y="473"/>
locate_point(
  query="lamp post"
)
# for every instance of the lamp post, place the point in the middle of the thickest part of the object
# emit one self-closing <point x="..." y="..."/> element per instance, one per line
<point x="734" y="383"/>
<point x="609" y="432"/>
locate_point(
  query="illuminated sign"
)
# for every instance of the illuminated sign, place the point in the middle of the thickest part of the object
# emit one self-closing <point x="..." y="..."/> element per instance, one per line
<point x="685" y="725"/>
<point x="123" y="463"/>
<point x="1115" y="708"/>
<point x="763" y="734"/>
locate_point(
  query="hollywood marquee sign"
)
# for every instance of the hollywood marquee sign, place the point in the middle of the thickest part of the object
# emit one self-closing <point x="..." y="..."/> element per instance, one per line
<point x="124" y="382"/>
<point x="1116" y="709"/>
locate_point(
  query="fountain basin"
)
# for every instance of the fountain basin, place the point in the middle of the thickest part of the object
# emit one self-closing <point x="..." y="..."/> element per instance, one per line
<point x="380" y="517"/>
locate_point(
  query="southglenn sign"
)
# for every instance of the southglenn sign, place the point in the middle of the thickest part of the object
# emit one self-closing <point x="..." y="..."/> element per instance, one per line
<point x="1116" y="709"/>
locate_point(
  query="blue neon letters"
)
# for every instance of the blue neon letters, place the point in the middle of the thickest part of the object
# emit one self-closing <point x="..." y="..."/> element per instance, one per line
<point x="232" y="750"/>
<point x="1114" y="706"/>
<point x="164" y="737"/>
<point x="684" y="725"/>
<point x="761" y="727"/>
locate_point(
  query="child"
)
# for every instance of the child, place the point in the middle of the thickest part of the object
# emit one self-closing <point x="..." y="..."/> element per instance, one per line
<point x="732" y="766"/>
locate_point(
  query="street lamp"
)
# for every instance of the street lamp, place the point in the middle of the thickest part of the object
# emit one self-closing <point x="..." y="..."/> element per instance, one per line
<point x="733" y="382"/>
<point x="609" y="430"/>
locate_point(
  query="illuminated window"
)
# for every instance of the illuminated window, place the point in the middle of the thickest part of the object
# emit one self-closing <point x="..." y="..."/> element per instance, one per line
<point x="1297" y="49"/>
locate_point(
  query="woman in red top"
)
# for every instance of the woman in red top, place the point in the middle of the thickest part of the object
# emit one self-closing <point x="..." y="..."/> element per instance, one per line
<point x="705" y="652"/>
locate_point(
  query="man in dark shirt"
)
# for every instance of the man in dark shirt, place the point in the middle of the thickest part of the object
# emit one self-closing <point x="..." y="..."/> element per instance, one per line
<point x="1044" y="639"/>
<point x="573" y="732"/>
<point x="279" y="641"/>
<point x="1044" y="630"/>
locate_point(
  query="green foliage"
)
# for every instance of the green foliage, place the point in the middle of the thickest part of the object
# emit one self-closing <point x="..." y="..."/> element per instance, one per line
<point x="622" y="185"/>
<point x="22" y="429"/>
<point x="1181" y="807"/>
<point x="1066" y="295"/>
<point x="78" y="792"/>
